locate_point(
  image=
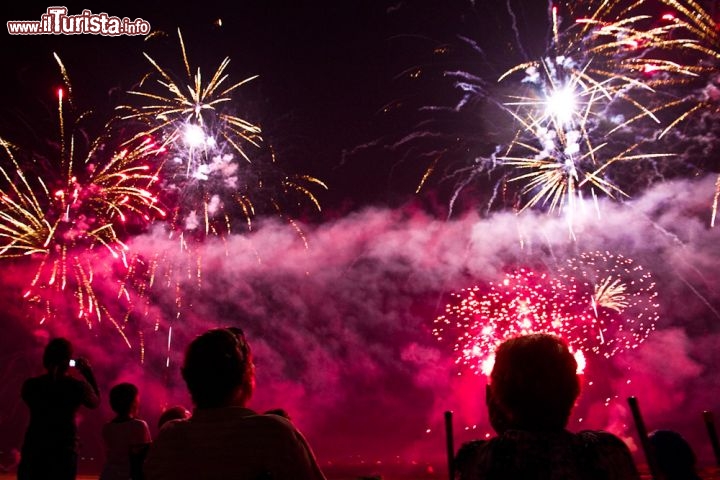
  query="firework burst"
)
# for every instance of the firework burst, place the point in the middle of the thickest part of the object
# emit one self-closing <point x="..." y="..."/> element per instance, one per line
<point x="68" y="216"/>
<point x="593" y="109"/>
<point x="183" y="110"/>
<point x="617" y="300"/>
<point x="601" y="75"/>
<point x="217" y="168"/>
<point x="479" y="320"/>
<point x="599" y="303"/>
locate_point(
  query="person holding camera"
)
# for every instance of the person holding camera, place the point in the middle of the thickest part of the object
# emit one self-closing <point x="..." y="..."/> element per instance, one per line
<point x="50" y="446"/>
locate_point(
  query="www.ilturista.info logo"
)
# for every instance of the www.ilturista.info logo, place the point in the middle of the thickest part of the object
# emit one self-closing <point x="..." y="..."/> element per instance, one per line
<point x="57" y="22"/>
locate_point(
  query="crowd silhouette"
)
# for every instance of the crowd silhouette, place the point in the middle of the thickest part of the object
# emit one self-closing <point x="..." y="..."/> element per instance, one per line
<point x="530" y="395"/>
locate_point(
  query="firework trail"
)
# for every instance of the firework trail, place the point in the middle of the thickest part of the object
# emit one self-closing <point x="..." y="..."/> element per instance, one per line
<point x="598" y="302"/>
<point x="67" y="219"/>
<point x="515" y="30"/>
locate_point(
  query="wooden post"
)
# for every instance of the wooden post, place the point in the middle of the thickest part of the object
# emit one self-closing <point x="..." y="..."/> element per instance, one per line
<point x="449" y="445"/>
<point x="643" y="434"/>
<point x="712" y="433"/>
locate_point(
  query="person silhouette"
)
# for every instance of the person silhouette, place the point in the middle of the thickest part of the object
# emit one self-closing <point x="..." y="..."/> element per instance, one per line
<point x="223" y="438"/>
<point x="176" y="412"/>
<point x="531" y="392"/>
<point x="675" y="458"/>
<point x="49" y="449"/>
<point x="126" y="437"/>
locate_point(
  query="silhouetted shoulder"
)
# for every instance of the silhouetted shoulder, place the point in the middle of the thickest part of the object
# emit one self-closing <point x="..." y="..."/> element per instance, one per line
<point x="600" y="439"/>
<point x="173" y="427"/>
<point x="273" y="421"/>
<point x="32" y="386"/>
<point x="44" y="390"/>
<point x="609" y="453"/>
<point x="547" y="456"/>
<point x="468" y="452"/>
<point x="237" y="442"/>
<point x="232" y="423"/>
<point x="27" y="388"/>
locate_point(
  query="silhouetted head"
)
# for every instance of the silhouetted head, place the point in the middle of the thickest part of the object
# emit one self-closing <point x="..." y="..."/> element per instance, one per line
<point x="58" y="353"/>
<point x="178" y="412"/>
<point x="533" y="384"/>
<point x="675" y="457"/>
<point x="124" y="399"/>
<point x="218" y="369"/>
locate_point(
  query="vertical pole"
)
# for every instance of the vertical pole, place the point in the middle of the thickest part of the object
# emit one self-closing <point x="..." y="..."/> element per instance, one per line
<point x="643" y="434"/>
<point x="449" y="444"/>
<point x="712" y="433"/>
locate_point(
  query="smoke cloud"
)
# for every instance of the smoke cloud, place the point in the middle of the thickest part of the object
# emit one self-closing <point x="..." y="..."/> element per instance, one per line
<point x="341" y="330"/>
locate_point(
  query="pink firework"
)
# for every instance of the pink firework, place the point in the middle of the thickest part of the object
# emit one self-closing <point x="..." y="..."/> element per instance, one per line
<point x="598" y="302"/>
<point x="523" y="302"/>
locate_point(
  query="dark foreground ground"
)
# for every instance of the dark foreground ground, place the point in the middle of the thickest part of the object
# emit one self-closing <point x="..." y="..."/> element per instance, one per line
<point x="707" y="474"/>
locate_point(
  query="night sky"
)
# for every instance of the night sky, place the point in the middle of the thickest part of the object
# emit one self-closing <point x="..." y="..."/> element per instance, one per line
<point x="360" y="94"/>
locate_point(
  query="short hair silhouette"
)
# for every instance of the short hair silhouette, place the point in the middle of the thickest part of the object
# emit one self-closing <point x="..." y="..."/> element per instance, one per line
<point x="218" y="366"/>
<point x="675" y="458"/>
<point x="58" y="353"/>
<point x="533" y="384"/>
<point x="177" y="412"/>
<point x="122" y="398"/>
